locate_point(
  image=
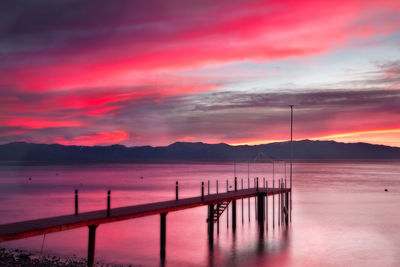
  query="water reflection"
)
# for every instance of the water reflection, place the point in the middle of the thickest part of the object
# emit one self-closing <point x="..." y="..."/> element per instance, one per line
<point x="273" y="242"/>
<point x="337" y="207"/>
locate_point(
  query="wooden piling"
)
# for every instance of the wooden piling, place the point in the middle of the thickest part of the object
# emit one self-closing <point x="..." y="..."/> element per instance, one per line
<point x="208" y="187"/>
<point x="248" y="200"/>
<point x="279" y="202"/>
<point x="242" y="203"/>
<point x="283" y="201"/>
<point x="260" y="211"/>
<point x="202" y="191"/>
<point x="218" y="206"/>
<point x="91" y="244"/>
<point x="234" y="216"/>
<point x="176" y="190"/>
<point x="211" y="224"/>
<point x="227" y="208"/>
<point x="234" y="209"/>
<point x="76" y="201"/>
<point x="108" y="202"/>
<point x="163" y="230"/>
<point x="287" y="208"/>
<point x="273" y="204"/>
<point x="255" y="200"/>
<point x="266" y="205"/>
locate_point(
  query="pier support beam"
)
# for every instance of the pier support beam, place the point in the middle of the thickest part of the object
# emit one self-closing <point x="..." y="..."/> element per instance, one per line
<point x="218" y="207"/>
<point x="287" y="208"/>
<point x="91" y="244"/>
<point x="211" y="224"/>
<point x="260" y="211"/>
<point x="163" y="231"/>
<point x="234" y="216"/>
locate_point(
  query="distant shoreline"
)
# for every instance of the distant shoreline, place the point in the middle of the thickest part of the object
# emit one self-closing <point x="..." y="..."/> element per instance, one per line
<point x="182" y="152"/>
<point x="211" y="161"/>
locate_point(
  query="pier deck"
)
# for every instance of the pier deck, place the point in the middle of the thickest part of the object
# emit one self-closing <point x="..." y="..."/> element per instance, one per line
<point x="19" y="230"/>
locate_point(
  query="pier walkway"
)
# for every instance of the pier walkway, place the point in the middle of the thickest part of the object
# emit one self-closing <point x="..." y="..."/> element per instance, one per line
<point x="19" y="230"/>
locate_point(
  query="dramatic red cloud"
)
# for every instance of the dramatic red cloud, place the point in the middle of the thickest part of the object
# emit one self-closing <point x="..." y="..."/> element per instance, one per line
<point x="17" y="132"/>
<point x="99" y="138"/>
<point x="34" y="123"/>
<point x="260" y="31"/>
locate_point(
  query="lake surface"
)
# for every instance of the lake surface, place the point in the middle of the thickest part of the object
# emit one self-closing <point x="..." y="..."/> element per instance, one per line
<point x="341" y="214"/>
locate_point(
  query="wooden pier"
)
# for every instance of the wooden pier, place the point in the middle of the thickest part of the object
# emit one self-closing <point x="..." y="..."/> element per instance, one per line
<point x="92" y="220"/>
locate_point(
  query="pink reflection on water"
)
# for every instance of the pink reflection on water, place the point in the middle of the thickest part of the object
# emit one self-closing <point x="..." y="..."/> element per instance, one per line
<point x="341" y="215"/>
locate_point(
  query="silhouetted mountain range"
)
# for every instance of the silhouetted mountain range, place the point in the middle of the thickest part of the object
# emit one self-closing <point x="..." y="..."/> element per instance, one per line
<point x="306" y="149"/>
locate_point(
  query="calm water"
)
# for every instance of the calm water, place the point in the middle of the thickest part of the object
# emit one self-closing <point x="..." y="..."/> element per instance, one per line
<point x="341" y="214"/>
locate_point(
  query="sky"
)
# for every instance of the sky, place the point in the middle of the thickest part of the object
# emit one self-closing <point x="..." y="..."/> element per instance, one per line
<point x="159" y="71"/>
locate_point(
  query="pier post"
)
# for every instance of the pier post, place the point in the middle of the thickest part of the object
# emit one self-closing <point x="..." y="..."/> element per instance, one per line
<point x="91" y="244"/>
<point x="227" y="208"/>
<point x="273" y="203"/>
<point x="248" y="199"/>
<point x="176" y="190"/>
<point x="287" y="209"/>
<point x="257" y="184"/>
<point x="266" y="205"/>
<point x="255" y="200"/>
<point x="163" y="228"/>
<point x="218" y="207"/>
<point x="242" y="202"/>
<point x="108" y="202"/>
<point x="234" y="210"/>
<point x="235" y="184"/>
<point x="234" y="216"/>
<point x="211" y="224"/>
<point x="76" y="201"/>
<point x="279" y="202"/>
<point x="260" y="211"/>
<point x="217" y="186"/>
<point x="227" y="217"/>
<point x="202" y="191"/>
<point x="282" y="204"/>
<point x="208" y="187"/>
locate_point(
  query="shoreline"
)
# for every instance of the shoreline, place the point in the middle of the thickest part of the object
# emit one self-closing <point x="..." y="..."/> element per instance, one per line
<point x="20" y="257"/>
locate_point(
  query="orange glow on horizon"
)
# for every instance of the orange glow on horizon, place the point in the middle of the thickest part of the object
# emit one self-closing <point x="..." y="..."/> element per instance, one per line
<point x="378" y="137"/>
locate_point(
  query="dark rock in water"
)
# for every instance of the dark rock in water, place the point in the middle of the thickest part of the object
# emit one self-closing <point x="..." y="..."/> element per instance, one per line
<point x="386" y="190"/>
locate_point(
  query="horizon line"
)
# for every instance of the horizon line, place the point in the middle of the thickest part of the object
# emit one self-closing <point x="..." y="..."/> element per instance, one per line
<point x="192" y="142"/>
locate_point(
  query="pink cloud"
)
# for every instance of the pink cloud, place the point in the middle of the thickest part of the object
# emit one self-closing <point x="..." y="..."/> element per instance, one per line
<point x="259" y="31"/>
<point x="37" y="123"/>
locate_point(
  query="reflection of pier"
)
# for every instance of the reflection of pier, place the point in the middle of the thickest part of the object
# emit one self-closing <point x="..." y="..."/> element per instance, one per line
<point x="92" y="219"/>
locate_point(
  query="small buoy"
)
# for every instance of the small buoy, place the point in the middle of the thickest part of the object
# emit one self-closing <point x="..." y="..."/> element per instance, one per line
<point x="57" y="174"/>
<point x="30" y="178"/>
<point x="386" y="190"/>
<point x="141" y="177"/>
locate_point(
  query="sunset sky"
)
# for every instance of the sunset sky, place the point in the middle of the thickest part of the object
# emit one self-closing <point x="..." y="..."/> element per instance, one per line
<point x="156" y="72"/>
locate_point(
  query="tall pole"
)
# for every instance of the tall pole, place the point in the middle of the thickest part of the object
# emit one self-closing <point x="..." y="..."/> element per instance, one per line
<point x="291" y="157"/>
